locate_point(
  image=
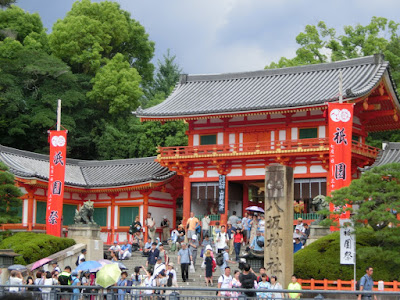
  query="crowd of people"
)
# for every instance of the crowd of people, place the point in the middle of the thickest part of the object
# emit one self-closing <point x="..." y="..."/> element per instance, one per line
<point x="216" y="249"/>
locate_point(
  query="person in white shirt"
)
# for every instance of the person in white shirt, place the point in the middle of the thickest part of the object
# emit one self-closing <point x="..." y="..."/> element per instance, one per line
<point x="299" y="225"/>
<point x="245" y="226"/>
<point x="224" y="282"/>
<point x="233" y="219"/>
<point x="81" y="257"/>
<point x="149" y="282"/>
<point x="15" y="279"/>
<point x="261" y="224"/>
<point x="55" y="266"/>
<point x="159" y="266"/>
<point x="171" y="270"/>
<point x="151" y="227"/>
<point x="115" y="248"/>
<point x="221" y="240"/>
<point x="205" y="225"/>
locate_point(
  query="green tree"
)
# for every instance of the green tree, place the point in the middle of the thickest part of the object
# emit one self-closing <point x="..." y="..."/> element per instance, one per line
<point x="128" y="137"/>
<point x="319" y="44"/>
<point x="18" y="24"/>
<point x="31" y="81"/>
<point x="92" y="33"/>
<point x="377" y="193"/>
<point x="9" y="197"/>
<point x="168" y="72"/>
<point x="6" y="3"/>
<point x="116" y="87"/>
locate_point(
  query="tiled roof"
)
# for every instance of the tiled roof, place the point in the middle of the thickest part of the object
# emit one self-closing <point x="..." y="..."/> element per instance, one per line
<point x="89" y="174"/>
<point x="390" y="154"/>
<point x="269" y="89"/>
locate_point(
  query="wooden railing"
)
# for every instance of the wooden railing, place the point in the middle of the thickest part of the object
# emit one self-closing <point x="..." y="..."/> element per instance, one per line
<point x="290" y="146"/>
<point x="343" y="285"/>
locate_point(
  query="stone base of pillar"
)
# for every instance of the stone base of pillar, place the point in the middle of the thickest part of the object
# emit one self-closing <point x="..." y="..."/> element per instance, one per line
<point x="88" y="234"/>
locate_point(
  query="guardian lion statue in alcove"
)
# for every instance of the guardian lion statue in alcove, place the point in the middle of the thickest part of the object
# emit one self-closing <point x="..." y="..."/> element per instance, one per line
<point x="85" y="214"/>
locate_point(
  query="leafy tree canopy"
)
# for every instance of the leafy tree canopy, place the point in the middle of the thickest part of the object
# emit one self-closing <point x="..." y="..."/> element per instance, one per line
<point x="9" y="197"/>
<point x="320" y="43"/>
<point x="116" y="87"/>
<point x="7" y="3"/>
<point x="18" y="24"/>
<point x="91" y="33"/>
<point x="376" y="193"/>
<point x="31" y="81"/>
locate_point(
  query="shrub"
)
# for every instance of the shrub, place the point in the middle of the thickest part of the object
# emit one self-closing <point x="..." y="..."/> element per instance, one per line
<point x="321" y="259"/>
<point x="34" y="246"/>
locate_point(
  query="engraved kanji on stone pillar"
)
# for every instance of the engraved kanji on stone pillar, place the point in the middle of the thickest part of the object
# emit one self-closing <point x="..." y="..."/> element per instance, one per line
<point x="278" y="252"/>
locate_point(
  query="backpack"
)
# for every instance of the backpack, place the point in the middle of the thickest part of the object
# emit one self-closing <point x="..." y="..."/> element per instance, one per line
<point x="358" y="283"/>
<point x="214" y="265"/>
<point x="77" y="260"/>
<point x="63" y="279"/>
<point x="220" y="259"/>
<point x="260" y="243"/>
<point x="130" y="229"/>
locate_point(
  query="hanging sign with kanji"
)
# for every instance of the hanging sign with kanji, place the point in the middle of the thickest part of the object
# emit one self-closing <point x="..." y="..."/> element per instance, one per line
<point x="221" y="194"/>
<point x="55" y="194"/>
<point x="340" y="139"/>
<point x="347" y="243"/>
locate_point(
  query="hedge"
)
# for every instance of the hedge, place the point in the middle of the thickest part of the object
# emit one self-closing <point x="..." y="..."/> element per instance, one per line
<point x="34" y="246"/>
<point x="380" y="250"/>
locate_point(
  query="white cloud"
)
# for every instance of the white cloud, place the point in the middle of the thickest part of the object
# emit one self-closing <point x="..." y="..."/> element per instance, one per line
<point x="213" y="36"/>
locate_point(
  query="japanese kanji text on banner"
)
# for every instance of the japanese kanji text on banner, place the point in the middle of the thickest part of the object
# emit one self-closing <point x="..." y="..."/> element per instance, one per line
<point x="340" y="139"/>
<point x="347" y="243"/>
<point x="55" y="195"/>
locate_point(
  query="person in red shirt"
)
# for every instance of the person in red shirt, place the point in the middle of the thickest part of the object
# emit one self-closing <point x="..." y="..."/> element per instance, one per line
<point x="237" y="242"/>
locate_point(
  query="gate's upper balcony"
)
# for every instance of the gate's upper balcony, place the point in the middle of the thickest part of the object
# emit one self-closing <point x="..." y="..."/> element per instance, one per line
<point x="259" y="149"/>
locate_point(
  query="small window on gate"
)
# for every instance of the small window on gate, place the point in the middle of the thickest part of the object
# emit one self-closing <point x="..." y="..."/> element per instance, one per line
<point x="308" y="133"/>
<point x="210" y="139"/>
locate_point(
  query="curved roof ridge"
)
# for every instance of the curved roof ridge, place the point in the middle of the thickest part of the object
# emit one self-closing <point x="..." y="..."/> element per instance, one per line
<point x="294" y="87"/>
<point x="85" y="173"/>
<point x="372" y="59"/>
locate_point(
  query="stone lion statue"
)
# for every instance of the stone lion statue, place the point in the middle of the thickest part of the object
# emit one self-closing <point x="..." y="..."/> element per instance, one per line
<point x="320" y="204"/>
<point x="85" y="214"/>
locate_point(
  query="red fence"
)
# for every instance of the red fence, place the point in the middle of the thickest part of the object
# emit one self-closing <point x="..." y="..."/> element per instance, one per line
<point x="343" y="285"/>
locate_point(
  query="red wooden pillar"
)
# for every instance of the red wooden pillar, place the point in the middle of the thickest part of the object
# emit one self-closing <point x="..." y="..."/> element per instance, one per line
<point x="186" y="199"/>
<point x="31" y="196"/>
<point x="174" y="212"/>
<point x="112" y="196"/>
<point x="145" y="194"/>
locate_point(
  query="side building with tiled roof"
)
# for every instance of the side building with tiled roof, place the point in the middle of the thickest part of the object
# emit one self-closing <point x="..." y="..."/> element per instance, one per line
<point x="121" y="190"/>
<point x="239" y="123"/>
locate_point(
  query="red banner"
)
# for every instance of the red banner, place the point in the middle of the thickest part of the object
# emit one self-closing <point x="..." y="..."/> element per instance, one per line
<point x="340" y="139"/>
<point x="55" y="194"/>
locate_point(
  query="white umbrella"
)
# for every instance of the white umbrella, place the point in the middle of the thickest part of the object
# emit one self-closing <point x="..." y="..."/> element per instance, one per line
<point x="255" y="209"/>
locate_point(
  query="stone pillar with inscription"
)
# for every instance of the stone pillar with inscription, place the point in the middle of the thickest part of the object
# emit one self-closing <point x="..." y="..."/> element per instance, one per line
<point x="278" y="251"/>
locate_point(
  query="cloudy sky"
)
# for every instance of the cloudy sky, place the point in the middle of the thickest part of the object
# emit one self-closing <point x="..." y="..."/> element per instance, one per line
<point x="217" y="36"/>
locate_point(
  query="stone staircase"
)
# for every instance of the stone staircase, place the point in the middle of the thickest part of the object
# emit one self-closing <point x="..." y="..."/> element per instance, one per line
<point x="196" y="280"/>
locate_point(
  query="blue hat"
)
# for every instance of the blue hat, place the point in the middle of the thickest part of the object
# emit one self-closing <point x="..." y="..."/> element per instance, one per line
<point x="74" y="273"/>
<point x="115" y="242"/>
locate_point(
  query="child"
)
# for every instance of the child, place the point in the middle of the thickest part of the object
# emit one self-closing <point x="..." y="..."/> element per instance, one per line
<point x="264" y="285"/>
<point x="208" y="262"/>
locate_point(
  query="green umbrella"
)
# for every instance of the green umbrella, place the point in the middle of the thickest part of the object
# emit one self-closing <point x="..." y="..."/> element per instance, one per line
<point x="108" y="275"/>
